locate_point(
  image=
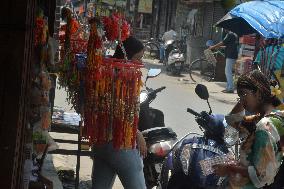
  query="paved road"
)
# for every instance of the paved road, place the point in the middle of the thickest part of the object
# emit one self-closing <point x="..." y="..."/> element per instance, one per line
<point x="176" y="98"/>
<point x="173" y="101"/>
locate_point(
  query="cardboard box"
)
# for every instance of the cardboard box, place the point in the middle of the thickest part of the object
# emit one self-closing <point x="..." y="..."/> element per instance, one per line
<point x="247" y="39"/>
<point x="243" y="65"/>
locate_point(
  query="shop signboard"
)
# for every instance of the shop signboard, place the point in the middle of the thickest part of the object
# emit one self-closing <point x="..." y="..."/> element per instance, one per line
<point x="120" y="3"/>
<point x="145" y="6"/>
<point x="197" y="1"/>
<point x="132" y="5"/>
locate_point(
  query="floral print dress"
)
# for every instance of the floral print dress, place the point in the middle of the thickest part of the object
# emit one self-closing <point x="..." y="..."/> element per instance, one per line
<point x="261" y="155"/>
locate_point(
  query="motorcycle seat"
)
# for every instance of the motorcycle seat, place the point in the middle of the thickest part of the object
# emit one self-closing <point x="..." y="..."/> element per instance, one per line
<point x="158" y="132"/>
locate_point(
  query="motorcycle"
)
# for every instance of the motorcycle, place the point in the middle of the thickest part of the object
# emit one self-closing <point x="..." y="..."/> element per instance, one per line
<point x="159" y="139"/>
<point x="177" y="57"/>
<point x="169" y="45"/>
<point x="189" y="164"/>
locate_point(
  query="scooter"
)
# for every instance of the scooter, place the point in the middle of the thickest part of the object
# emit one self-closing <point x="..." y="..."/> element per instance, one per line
<point x="176" y="62"/>
<point x="159" y="139"/>
<point x="189" y="164"/>
<point x="177" y="57"/>
<point x="169" y="46"/>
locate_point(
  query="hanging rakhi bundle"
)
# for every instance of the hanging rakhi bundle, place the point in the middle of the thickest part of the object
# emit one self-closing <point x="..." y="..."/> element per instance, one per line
<point x="93" y="84"/>
<point x="39" y="110"/>
<point x="112" y="87"/>
<point x="72" y="43"/>
<point x="111" y="103"/>
<point x="126" y="105"/>
<point x="39" y="32"/>
<point x="112" y="27"/>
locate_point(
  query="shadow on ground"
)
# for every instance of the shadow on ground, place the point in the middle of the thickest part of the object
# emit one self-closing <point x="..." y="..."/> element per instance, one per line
<point x="221" y="84"/>
<point x="151" y="63"/>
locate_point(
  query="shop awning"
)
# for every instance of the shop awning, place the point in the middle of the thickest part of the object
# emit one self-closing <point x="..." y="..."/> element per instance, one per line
<point x="189" y="2"/>
<point x="264" y="17"/>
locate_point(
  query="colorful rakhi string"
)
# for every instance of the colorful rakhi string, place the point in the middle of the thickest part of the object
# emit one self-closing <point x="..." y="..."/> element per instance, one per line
<point x="112" y="27"/>
<point x="72" y="43"/>
<point x="109" y="87"/>
<point x="111" y="106"/>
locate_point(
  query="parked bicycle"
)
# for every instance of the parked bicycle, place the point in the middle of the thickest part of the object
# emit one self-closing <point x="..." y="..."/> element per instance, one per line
<point x="152" y="48"/>
<point x="203" y="69"/>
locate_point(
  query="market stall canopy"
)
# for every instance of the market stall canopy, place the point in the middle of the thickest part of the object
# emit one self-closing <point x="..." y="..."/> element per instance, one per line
<point x="264" y="17"/>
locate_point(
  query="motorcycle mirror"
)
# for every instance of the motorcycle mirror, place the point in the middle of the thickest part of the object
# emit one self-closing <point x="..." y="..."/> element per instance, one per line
<point x="143" y="96"/>
<point x="202" y="92"/>
<point x="152" y="73"/>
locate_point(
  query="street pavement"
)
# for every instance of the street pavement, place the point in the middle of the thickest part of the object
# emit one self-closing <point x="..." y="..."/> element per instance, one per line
<point x="173" y="101"/>
<point x="180" y="95"/>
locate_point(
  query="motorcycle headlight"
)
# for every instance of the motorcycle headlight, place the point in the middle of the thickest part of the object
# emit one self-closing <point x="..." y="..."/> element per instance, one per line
<point x="185" y="158"/>
<point x="176" y="55"/>
<point x="143" y="96"/>
<point x="162" y="148"/>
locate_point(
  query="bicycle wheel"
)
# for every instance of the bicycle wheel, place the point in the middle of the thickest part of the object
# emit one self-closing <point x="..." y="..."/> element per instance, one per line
<point x="152" y="50"/>
<point x="201" y="70"/>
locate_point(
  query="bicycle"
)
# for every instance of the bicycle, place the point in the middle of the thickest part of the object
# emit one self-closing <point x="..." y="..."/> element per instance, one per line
<point x="203" y="69"/>
<point x="152" y="48"/>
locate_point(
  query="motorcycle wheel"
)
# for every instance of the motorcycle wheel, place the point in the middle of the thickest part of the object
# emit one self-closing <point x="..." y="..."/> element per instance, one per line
<point x="149" y="175"/>
<point x="164" y="177"/>
<point x="201" y="70"/>
<point x="173" y="70"/>
<point x="178" y="182"/>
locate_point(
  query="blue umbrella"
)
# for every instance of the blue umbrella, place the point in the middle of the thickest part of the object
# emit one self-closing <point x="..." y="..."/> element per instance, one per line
<point x="263" y="17"/>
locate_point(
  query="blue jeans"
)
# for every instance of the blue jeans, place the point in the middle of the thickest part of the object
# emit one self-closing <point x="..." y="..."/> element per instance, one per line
<point x="229" y="73"/>
<point x="162" y="52"/>
<point x="108" y="163"/>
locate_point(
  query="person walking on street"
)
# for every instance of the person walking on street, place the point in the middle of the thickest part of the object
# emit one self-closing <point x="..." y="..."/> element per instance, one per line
<point x="126" y="163"/>
<point x="231" y="54"/>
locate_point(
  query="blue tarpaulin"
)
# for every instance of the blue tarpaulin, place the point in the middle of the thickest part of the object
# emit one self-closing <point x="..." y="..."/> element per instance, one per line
<point x="265" y="17"/>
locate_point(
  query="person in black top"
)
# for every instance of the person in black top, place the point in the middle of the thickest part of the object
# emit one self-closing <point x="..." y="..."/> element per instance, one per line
<point x="231" y="53"/>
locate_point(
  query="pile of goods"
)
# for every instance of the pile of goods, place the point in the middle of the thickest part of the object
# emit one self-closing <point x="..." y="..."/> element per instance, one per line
<point x="40" y="114"/>
<point x="246" y="54"/>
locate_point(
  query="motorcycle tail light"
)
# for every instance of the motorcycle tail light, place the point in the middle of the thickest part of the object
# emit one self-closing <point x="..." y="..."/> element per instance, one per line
<point x="161" y="149"/>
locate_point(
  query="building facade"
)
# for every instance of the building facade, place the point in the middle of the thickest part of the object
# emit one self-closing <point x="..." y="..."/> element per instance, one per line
<point x="198" y="17"/>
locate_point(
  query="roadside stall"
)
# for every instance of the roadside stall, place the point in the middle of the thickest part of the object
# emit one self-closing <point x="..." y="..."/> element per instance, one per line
<point x="260" y="25"/>
<point x="99" y="88"/>
<point x="244" y="62"/>
<point x="38" y="141"/>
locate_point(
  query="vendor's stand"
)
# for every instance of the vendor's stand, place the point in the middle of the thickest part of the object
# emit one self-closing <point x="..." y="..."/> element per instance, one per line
<point x="244" y="62"/>
<point x="263" y="19"/>
<point x="103" y="91"/>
